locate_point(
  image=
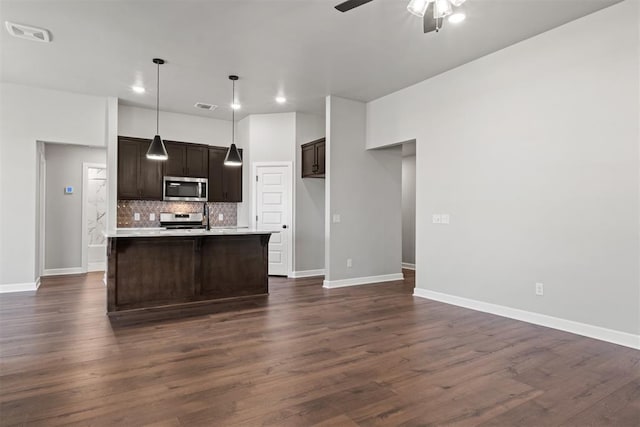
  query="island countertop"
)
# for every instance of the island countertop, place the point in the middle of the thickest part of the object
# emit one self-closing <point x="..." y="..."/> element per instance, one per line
<point x="163" y="232"/>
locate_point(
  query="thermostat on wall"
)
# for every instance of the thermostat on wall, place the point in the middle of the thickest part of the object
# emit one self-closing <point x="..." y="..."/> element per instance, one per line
<point x="68" y="190"/>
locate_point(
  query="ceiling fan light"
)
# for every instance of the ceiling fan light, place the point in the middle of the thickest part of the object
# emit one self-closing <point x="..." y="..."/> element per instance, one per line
<point x="457" y="3"/>
<point x="457" y="17"/>
<point x="441" y="9"/>
<point x="418" y="7"/>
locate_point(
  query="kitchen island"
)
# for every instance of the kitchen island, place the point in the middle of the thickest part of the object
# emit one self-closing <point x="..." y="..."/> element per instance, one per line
<point x="165" y="268"/>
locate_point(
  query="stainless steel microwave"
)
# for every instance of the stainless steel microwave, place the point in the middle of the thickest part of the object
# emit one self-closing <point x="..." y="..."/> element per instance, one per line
<point x="185" y="189"/>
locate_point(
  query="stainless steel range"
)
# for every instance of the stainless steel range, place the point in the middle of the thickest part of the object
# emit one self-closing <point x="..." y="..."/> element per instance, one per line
<point x="181" y="220"/>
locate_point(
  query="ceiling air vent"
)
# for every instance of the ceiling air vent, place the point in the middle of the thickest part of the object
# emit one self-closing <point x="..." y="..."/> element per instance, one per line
<point x="205" y="106"/>
<point x="27" y="32"/>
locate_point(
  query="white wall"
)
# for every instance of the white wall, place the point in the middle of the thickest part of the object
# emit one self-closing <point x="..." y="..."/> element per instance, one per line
<point x="243" y="128"/>
<point x="269" y="138"/>
<point x="364" y="188"/>
<point x="409" y="209"/>
<point x="64" y="228"/>
<point x="27" y="115"/>
<point x="310" y="195"/>
<point x="533" y="151"/>
<point x="141" y="123"/>
<point x="273" y="137"/>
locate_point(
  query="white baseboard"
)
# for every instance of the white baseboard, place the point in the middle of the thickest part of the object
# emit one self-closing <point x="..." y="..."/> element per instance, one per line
<point x="408" y="266"/>
<point x="20" y="287"/>
<point x="307" y="273"/>
<point x="356" y="281"/>
<point x="96" y="266"/>
<point x="62" y="271"/>
<point x="609" y="335"/>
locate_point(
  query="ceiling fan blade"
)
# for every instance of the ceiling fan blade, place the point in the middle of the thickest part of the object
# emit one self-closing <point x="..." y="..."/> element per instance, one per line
<point x="351" y="4"/>
<point x="429" y="23"/>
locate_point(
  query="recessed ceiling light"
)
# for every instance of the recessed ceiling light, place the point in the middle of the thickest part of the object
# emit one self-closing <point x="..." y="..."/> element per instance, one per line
<point x="281" y="99"/>
<point x="456" y="18"/>
<point x="236" y="106"/>
<point x="138" y="89"/>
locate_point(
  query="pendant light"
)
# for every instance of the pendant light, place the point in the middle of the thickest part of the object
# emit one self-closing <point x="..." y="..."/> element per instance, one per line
<point x="233" y="155"/>
<point x="157" y="150"/>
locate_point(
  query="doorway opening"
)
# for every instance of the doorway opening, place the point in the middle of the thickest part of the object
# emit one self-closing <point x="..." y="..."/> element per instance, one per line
<point x="72" y="212"/>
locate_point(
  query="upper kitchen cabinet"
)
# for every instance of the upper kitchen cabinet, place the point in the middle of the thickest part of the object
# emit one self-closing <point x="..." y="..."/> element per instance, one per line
<point x="225" y="182"/>
<point x="313" y="159"/>
<point x="189" y="160"/>
<point x="138" y="177"/>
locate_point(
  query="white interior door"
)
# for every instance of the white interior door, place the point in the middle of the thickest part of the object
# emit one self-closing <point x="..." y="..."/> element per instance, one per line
<point x="273" y="197"/>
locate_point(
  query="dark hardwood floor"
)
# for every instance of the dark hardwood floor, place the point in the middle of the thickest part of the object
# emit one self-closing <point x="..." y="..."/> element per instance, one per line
<point x="368" y="355"/>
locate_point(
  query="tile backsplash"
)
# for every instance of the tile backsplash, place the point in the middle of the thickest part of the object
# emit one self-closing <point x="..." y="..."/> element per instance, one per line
<point x="127" y="209"/>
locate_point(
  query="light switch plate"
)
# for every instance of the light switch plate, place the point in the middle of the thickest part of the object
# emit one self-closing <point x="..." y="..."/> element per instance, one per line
<point x="349" y="263"/>
<point x="437" y="219"/>
<point x="445" y="218"/>
<point x="336" y="218"/>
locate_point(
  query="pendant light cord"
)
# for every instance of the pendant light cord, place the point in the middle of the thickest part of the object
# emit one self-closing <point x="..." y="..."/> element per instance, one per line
<point x="158" y="101"/>
<point x="233" y="112"/>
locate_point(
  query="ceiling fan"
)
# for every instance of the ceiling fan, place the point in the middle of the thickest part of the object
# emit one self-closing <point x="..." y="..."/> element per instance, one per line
<point x="432" y="12"/>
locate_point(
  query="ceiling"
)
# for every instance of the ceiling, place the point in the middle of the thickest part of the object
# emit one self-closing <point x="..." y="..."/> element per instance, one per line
<point x="304" y="49"/>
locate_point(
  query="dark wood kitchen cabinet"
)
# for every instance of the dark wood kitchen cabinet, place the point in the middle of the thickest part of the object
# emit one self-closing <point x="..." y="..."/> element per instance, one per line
<point x="138" y="177"/>
<point x="225" y="182"/>
<point x="313" y="159"/>
<point x="186" y="160"/>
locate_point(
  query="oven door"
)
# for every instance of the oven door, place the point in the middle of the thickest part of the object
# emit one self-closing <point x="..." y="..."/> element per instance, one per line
<point x="185" y="189"/>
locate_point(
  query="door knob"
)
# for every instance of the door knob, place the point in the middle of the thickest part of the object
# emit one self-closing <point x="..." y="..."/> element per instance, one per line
<point x="284" y="226"/>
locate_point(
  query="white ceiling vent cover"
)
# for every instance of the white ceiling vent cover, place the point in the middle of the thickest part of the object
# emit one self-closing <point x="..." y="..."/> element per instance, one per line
<point x="205" y="106"/>
<point x="27" y="32"/>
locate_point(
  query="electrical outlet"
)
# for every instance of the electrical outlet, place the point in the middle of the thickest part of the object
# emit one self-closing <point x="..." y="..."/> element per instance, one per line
<point x="349" y="263"/>
<point x="437" y="219"/>
<point x="336" y="218"/>
<point x="220" y="217"/>
<point x="539" y="289"/>
<point x="445" y="218"/>
<point x="136" y="216"/>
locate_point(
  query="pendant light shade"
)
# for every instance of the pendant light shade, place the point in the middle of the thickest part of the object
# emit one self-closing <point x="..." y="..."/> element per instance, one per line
<point x="233" y="157"/>
<point x="157" y="150"/>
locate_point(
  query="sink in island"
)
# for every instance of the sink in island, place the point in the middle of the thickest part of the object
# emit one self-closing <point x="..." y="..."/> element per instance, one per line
<point x="159" y="268"/>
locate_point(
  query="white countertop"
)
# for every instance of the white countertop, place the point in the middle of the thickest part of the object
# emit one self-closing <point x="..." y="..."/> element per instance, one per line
<point x="162" y="232"/>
